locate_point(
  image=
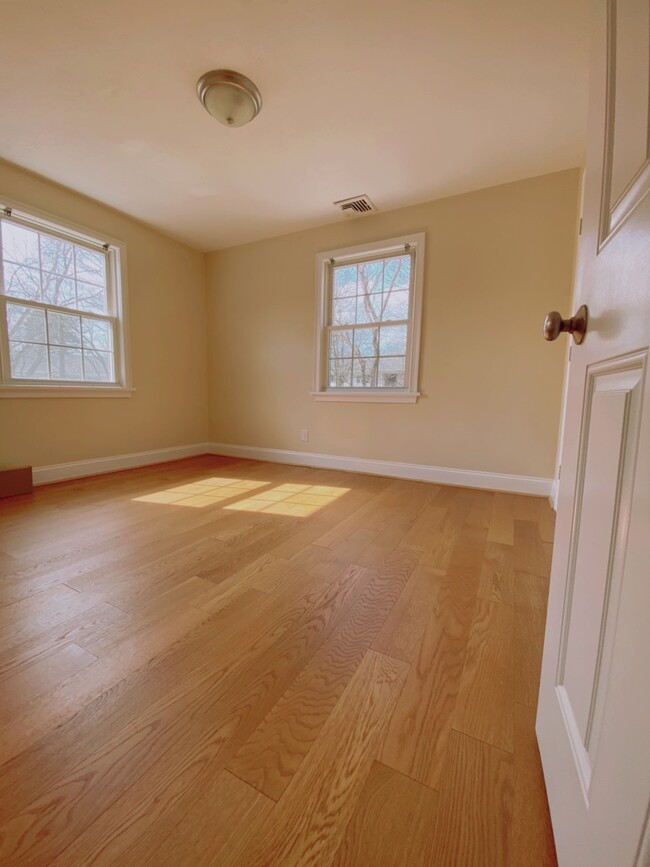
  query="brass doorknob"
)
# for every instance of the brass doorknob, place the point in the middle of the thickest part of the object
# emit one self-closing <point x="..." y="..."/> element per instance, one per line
<point x="554" y="325"/>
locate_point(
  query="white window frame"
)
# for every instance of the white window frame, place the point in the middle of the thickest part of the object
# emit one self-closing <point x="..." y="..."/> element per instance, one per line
<point x="117" y="307"/>
<point x="415" y="244"/>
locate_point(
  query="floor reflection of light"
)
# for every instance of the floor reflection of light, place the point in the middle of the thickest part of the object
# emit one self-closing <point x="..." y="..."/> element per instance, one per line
<point x="297" y="501"/>
<point x="206" y="492"/>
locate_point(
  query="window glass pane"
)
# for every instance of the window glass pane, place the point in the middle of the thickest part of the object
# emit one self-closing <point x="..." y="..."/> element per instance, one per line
<point x="22" y="282"/>
<point x="369" y="308"/>
<point x="90" y="266"/>
<point x="28" y="360"/>
<point x="343" y="311"/>
<point x="366" y="341"/>
<point x="26" y="323"/>
<point x="391" y="373"/>
<point x="57" y="256"/>
<point x="370" y="277"/>
<point x="96" y="333"/>
<point x="65" y="363"/>
<point x="397" y="273"/>
<point x="98" y="366"/>
<point x="340" y="372"/>
<point x="63" y="329"/>
<point x="396" y="305"/>
<point x="91" y="298"/>
<point x="345" y="281"/>
<point x="341" y="343"/>
<point x="392" y="340"/>
<point x="19" y="245"/>
<point x="58" y="290"/>
<point x="364" y="372"/>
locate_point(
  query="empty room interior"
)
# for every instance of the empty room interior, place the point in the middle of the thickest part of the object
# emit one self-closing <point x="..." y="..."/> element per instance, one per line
<point x="324" y="433"/>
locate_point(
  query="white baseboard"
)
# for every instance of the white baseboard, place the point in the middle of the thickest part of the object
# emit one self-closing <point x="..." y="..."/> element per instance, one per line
<point x="395" y="469"/>
<point x="97" y="466"/>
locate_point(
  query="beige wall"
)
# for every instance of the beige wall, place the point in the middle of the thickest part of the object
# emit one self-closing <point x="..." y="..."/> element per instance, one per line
<point x="497" y="261"/>
<point x="167" y="307"/>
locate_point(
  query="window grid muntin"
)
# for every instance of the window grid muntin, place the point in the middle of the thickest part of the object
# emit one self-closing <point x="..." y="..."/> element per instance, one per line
<point x="41" y="227"/>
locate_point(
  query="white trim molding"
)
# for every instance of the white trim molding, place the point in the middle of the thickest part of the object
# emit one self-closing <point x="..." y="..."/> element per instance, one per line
<point x="116" y="314"/>
<point x="371" y="397"/>
<point x="31" y="391"/>
<point x="555" y="492"/>
<point x="98" y="466"/>
<point x="412" y="245"/>
<point x="394" y="469"/>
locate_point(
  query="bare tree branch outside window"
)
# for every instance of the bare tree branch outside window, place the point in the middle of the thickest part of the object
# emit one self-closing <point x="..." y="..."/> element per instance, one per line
<point x="373" y="299"/>
<point x="44" y="276"/>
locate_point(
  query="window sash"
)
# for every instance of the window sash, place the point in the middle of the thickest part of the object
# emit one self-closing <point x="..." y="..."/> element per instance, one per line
<point x="59" y="235"/>
<point x="328" y="326"/>
<point x="114" y="278"/>
<point x="38" y="305"/>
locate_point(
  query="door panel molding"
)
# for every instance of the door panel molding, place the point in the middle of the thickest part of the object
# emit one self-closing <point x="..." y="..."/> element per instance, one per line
<point x="613" y="398"/>
<point x="614" y="213"/>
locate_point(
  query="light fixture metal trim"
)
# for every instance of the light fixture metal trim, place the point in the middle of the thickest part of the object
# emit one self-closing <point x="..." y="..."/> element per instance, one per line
<point x="230" y="78"/>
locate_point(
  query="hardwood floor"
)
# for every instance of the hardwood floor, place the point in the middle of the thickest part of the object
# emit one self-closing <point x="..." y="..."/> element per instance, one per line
<point x="224" y="662"/>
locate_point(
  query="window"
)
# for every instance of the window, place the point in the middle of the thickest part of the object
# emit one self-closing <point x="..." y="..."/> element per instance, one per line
<point x="62" y="328"/>
<point x="368" y="321"/>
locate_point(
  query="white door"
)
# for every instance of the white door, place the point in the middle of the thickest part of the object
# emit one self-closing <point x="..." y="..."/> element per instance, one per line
<point x="593" y="721"/>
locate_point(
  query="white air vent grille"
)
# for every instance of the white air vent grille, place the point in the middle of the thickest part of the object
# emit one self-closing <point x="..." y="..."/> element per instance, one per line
<point x="357" y="206"/>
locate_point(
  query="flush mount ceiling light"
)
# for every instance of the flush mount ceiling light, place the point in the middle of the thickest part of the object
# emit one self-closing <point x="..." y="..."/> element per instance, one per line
<point x="229" y="96"/>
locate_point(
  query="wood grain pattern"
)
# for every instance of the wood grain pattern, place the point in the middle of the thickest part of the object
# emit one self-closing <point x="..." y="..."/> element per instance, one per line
<point x="309" y="821"/>
<point x="416" y="741"/>
<point x="196" y="684"/>
<point x="393" y="823"/>
<point x="474" y="819"/>
<point x="275" y="750"/>
<point x="530" y="808"/>
<point x="531" y="594"/>
<point x="485" y="704"/>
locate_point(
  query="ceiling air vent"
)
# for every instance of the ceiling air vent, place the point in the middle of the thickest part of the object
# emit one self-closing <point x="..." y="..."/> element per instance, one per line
<point x="357" y="206"/>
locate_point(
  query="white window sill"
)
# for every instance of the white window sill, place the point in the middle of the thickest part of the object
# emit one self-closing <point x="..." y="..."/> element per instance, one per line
<point x="367" y="396"/>
<point x="65" y="391"/>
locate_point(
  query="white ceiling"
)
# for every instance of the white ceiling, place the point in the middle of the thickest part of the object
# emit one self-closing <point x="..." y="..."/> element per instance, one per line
<point x="405" y="100"/>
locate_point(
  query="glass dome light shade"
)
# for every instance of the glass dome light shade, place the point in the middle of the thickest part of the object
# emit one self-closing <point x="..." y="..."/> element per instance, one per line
<point x="229" y="97"/>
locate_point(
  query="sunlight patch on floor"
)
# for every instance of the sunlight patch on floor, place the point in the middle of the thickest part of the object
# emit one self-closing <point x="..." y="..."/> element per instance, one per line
<point x="297" y="501"/>
<point x="205" y="492"/>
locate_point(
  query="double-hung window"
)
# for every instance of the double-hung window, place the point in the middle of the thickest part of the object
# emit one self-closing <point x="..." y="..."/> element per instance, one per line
<point x="62" y="318"/>
<point x="368" y="321"/>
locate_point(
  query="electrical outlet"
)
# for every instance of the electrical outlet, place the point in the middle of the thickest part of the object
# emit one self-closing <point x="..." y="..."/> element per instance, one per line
<point x="304" y="435"/>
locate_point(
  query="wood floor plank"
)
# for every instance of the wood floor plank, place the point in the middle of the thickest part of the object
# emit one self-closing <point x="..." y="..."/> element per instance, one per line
<point x="73" y="630"/>
<point x="31" y="616"/>
<point x="308" y="823"/>
<point x="532" y="843"/>
<point x="402" y="632"/>
<point x="485" y="704"/>
<point x="501" y="527"/>
<point x="480" y="515"/>
<point x="273" y="753"/>
<point x="475" y="809"/>
<point x="416" y="741"/>
<point x="497" y="574"/>
<point x="213" y="818"/>
<point x="393" y="823"/>
<point x="531" y="592"/>
<point x="41" y="675"/>
<point x="531" y="554"/>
